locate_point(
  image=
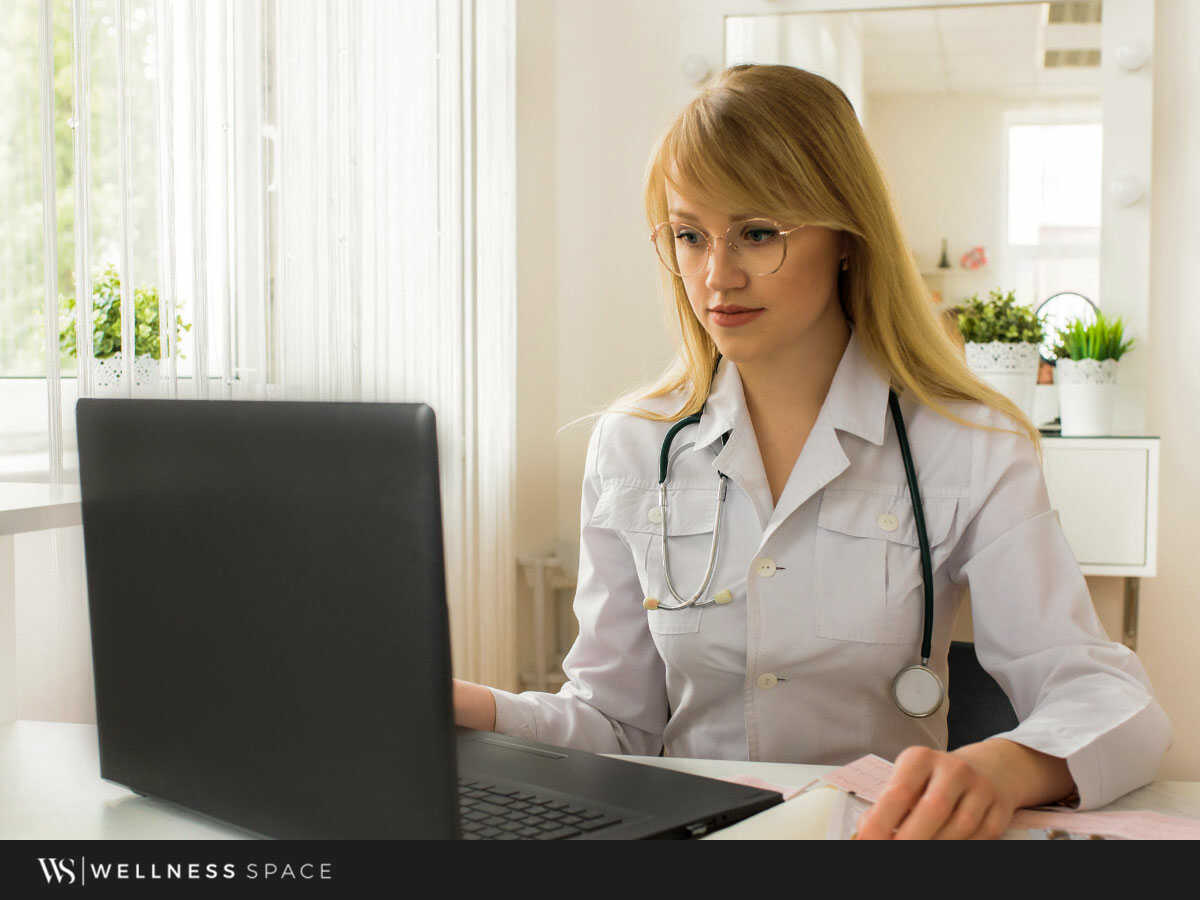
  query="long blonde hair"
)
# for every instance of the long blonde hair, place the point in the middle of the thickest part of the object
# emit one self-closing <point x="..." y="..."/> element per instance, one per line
<point x="786" y="143"/>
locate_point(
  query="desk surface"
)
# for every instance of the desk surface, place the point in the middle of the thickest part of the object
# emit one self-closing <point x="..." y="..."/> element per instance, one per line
<point x="30" y="506"/>
<point x="50" y="788"/>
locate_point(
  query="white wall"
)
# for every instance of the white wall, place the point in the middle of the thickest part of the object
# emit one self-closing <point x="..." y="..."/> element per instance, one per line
<point x="1170" y="603"/>
<point x="618" y="83"/>
<point x="537" y="313"/>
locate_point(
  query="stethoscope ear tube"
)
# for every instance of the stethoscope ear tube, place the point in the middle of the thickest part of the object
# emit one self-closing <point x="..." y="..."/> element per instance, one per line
<point x="693" y="419"/>
<point x="663" y="460"/>
<point x="712" y="551"/>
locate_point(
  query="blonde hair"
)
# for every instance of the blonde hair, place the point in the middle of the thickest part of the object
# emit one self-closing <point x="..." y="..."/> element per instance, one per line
<point x="786" y="143"/>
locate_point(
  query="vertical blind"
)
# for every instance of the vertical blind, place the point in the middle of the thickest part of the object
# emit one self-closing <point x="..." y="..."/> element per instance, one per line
<point x="322" y="195"/>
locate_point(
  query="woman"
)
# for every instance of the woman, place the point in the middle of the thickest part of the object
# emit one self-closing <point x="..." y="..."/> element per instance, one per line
<point x="800" y="313"/>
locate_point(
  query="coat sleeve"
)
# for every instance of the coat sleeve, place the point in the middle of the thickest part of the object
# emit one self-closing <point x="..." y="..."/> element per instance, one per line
<point x="1077" y="695"/>
<point x="614" y="699"/>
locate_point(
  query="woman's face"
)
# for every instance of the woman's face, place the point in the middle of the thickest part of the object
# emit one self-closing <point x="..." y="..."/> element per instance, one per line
<point x="779" y="309"/>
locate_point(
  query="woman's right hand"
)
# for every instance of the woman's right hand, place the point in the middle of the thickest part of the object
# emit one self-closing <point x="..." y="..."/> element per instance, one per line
<point x="474" y="706"/>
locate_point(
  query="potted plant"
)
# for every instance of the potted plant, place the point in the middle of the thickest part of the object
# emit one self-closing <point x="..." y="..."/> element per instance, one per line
<point x="1001" y="339"/>
<point x="107" y="362"/>
<point x="1088" y="355"/>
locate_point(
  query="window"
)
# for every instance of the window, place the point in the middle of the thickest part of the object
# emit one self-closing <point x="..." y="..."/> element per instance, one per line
<point x="326" y="193"/>
<point x="1054" y="208"/>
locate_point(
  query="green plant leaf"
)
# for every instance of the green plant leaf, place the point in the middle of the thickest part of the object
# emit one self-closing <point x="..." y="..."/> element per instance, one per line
<point x="999" y="318"/>
<point x="106" y="316"/>
<point x="1101" y="339"/>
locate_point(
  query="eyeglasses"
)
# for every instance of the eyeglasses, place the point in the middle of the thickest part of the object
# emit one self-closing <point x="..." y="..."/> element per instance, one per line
<point x="759" y="247"/>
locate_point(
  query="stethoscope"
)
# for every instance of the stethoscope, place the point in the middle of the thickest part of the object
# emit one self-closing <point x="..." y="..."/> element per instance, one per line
<point x="917" y="690"/>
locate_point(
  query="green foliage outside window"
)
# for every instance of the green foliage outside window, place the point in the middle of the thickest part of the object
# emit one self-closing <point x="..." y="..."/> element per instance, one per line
<point x="22" y="252"/>
<point x="999" y="318"/>
<point x="1102" y="339"/>
<point x="106" y="316"/>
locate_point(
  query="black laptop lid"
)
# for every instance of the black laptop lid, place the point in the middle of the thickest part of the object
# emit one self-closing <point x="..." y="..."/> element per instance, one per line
<point x="267" y="605"/>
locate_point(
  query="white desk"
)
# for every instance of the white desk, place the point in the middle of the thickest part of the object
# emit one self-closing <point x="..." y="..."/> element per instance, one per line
<point x="24" y="506"/>
<point x="50" y="788"/>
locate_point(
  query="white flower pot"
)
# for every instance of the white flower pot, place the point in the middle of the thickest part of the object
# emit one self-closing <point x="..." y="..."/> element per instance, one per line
<point x="1087" y="395"/>
<point x="1009" y="368"/>
<point x="108" y="376"/>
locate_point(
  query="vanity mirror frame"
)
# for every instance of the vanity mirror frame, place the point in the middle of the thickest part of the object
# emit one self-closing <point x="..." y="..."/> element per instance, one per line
<point x="1127" y="99"/>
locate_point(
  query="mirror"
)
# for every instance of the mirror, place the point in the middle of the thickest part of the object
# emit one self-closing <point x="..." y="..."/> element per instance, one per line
<point x="951" y="96"/>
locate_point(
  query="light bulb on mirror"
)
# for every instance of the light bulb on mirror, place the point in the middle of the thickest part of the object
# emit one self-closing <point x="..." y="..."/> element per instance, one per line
<point x="1132" y="57"/>
<point x="696" y="68"/>
<point x="1126" y="190"/>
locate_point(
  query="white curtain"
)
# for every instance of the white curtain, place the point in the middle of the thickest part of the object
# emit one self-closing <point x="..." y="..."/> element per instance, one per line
<point x="323" y="193"/>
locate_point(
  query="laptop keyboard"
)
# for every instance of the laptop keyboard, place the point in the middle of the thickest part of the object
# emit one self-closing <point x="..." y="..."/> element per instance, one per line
<point x="494" y="812"/>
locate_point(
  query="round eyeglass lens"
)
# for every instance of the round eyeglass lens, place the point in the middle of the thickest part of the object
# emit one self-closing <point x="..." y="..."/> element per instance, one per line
<point x="757" y="247"/>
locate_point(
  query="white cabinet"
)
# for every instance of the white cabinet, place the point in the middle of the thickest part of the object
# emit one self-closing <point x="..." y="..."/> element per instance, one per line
<point x="1106" y="494"/>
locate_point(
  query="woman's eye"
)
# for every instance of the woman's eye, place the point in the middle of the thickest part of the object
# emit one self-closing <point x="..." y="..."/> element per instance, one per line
<point x="759" y="235"/>
<point x="688" y="237"/>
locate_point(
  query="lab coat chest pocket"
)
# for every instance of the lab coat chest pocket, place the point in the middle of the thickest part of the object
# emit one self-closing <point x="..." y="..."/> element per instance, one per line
<point x="633" y="512"/>
<point x="868" y="564"/>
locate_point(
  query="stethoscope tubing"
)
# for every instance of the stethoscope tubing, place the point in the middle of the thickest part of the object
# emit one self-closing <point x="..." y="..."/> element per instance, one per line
<point x="919" y="517"/>
<point x="910" y="705"/>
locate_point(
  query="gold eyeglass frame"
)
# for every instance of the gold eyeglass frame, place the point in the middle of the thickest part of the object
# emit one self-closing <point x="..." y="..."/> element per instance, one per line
<point x="708" y="242"/>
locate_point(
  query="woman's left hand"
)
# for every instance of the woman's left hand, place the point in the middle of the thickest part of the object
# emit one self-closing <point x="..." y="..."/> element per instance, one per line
<point x="943" y="796"/>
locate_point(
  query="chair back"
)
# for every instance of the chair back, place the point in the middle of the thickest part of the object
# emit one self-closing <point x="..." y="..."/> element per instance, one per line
<point x="978" y="707"/>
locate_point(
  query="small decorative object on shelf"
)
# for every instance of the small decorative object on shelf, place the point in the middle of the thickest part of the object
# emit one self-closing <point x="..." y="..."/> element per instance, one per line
<point x="1001" y="341"/>
<point x="975" y="258"/>
<point x="944" y="262"/>
<point x="1088" y="356"/>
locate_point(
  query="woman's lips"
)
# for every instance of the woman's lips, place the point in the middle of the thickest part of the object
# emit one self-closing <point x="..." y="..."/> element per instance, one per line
<point x="734" y="319"/>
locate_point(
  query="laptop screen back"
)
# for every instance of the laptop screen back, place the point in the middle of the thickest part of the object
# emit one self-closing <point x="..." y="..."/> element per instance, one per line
<point x="268" y="619"/>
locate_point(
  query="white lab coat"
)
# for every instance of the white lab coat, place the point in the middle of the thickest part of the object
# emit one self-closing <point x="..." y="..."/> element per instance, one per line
<point x="827" y="597"/>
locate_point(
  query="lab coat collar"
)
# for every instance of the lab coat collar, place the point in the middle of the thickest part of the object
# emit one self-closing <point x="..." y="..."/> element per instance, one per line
<point x="725" y="408"/>
<point x="858" y="397"/>
<point x="857" y="401"/>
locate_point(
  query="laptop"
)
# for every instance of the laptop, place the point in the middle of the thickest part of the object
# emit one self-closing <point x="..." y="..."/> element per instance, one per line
<point x="270" y="637"/>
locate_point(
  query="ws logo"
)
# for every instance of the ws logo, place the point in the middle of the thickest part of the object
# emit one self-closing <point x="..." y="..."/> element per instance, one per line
<point x="58" y="871"/>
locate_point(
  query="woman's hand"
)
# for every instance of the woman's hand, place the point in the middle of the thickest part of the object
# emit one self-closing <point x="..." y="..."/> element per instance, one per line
<point x="474" y="706"/>
<point x="970" y="793"/>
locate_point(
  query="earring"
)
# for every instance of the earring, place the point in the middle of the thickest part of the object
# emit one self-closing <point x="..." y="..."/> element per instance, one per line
<point x="845" y="263"/>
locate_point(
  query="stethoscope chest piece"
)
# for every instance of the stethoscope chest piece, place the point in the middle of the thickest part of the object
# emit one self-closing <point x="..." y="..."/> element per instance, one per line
<point x="918" y="691"/>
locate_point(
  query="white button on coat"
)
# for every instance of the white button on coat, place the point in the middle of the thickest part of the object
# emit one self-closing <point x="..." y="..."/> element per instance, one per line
<point x="847" y="617"/>
<point x="767" y="680"/>
<point x="888" y="522"/>
<point x="656" y="515"/>
<point x="765" y="567"/>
